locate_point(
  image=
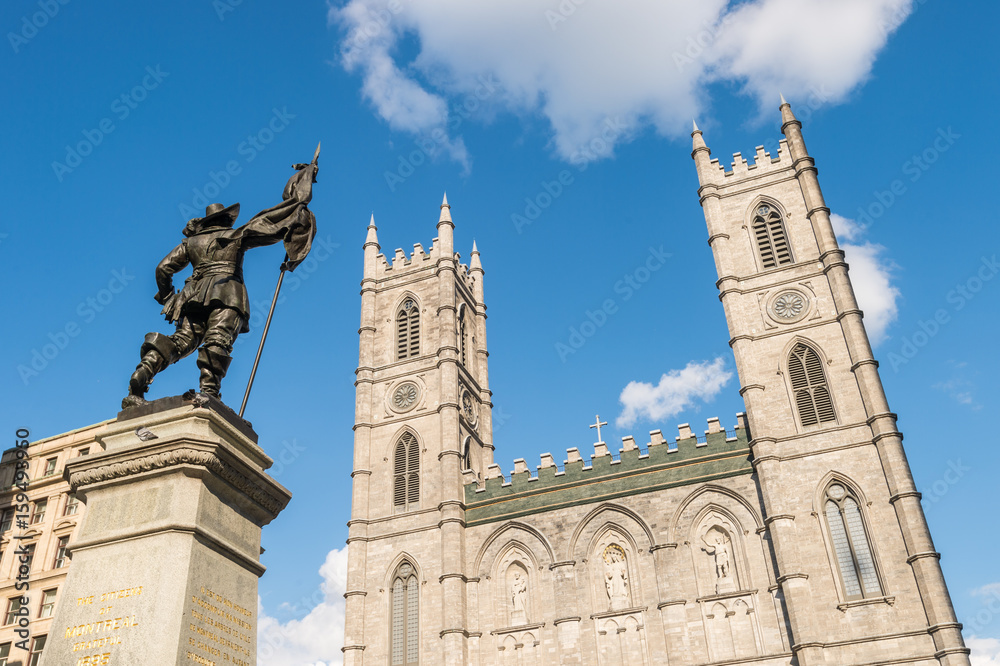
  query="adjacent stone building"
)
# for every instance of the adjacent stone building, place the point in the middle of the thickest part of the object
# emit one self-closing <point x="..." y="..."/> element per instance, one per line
<point x="795" y="537"/>
<point x="52" y="516"/>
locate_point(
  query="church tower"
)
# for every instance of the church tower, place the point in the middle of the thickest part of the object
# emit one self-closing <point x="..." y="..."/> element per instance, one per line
<point x="422" y="418"/>
<point x="854" y="558"/>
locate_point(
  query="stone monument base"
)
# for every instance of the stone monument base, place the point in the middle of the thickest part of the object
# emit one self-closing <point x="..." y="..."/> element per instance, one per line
<point x="166" y="561"/>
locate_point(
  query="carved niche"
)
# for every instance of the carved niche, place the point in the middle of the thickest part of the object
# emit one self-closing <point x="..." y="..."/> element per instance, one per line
<point x="514" y="588"/>
<point x="718" y="542"/>
<point x="616" y="577"/>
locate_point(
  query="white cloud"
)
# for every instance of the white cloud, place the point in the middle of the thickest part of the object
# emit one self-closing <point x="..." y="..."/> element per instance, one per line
<point x="677" y="390"/>
<point x="988" y="590"/>
<point x="871" y="275"/>
<point x="985" y="651"/>
<point x="580" y="63"/>
<point x="316" y="639"/>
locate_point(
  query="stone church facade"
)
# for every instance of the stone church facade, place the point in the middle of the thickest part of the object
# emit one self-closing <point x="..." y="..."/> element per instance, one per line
<point x="796" y="536"/>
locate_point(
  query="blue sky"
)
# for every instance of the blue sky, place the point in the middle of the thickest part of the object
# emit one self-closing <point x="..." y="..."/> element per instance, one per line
<point x="121" y="118"/>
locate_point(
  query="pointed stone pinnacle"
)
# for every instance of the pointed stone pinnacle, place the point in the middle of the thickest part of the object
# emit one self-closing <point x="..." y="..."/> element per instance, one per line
<point x="475" y="264"/>
<point x="372" y="237"/>
<point x="445" y="211"/>
<point x="695" y="123"/>
<point x="783" y="100"/>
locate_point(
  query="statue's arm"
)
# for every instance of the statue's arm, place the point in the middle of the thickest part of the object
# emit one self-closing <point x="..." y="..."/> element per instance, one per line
<point x="172" y="263"/>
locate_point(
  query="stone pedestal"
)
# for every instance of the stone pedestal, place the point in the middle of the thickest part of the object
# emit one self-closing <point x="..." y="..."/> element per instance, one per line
<point x="165" y="564"/>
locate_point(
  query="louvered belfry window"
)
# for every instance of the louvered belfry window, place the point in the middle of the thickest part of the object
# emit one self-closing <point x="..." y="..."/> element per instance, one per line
<point x="461" y="337"/>
<point x="809" y="386"/>
<point x="406" y="473"/>
<point x="769" y="232"/>
<point x="408" y="330"/>
<point x="850" y="544"/>
<point x="405" y="615"/>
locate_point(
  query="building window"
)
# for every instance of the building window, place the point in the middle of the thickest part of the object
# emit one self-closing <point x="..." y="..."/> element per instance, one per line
<point x="28" y="554"/>
<point x="467" y="454"/>
<point x="36" y="650"/>
<point x="461" y="338"/>
<point x="4" y="653"/>
<point x="809" y="386"/>
<point x="406" y="473"/>
<point x="408" y="330"/>
<point x="83" y="451"/>
<point x="769" y="232"/>
<point x="13" y="606"/>
<point x="850" y="544"/>
<point x="62" y="554"/>
<point x="48" y="603"/>
<point x="50" y="467"/>
<point x="405" y="616"/>
<point x="38" y="511"/>
<point x="6" y="519"/>
<point x="72" y="505"/>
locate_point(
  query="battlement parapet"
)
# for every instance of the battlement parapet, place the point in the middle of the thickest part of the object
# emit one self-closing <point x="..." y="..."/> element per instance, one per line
<point x="740" y="168"/>
<point x="633" y="469"/>
<point x="401" y="263"/>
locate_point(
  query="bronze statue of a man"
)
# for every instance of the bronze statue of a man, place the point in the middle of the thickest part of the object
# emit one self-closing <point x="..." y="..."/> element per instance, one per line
<point x="212" y="307"/>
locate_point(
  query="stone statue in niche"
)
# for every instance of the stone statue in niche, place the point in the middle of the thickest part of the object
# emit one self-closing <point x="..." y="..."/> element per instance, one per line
<point x="720" y="547"/>
<point x="616" y="577"/>
<point x="519" y="598"/>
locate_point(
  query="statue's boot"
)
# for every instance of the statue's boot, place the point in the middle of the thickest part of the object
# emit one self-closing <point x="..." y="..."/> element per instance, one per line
<point x="152" y="362"/>
<point x="157" y="352"/>
<point x="213" y="363"/>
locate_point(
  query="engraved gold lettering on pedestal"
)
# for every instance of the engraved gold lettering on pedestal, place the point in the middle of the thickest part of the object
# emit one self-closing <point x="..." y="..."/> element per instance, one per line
<point x="107" y="631"/>
<point x="220" y="628"/>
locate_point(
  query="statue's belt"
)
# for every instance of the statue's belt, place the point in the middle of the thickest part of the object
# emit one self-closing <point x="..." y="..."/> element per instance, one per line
<point x="215" y="268"/>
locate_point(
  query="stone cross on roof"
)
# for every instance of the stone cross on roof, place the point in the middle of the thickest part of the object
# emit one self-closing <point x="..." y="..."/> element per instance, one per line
<point x="598" y="426"/>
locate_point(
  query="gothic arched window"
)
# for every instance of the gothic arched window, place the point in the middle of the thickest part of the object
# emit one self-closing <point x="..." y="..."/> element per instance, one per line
<point x="405" y="617"/>
<point x="467" y="454"/>
<point x="406" y="473"/>
<point x="461" y="337"/>
<point x="809" y="386"/>
<point x="769" y="232"/>
<point x="850" y="543"/>
<point x="408" y="330"/>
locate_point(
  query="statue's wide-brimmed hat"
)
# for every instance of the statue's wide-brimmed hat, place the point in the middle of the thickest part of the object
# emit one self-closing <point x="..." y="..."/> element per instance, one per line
<point x="216" y="215"/>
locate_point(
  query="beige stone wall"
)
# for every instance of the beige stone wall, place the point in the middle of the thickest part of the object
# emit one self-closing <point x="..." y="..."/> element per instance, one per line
<point x="736" y="571"/>
<point x="45" y="535"/>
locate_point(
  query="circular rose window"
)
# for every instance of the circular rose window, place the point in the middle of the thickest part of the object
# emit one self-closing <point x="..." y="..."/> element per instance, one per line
<point x="789" y="306"/>
<point x="405" y="397"/>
